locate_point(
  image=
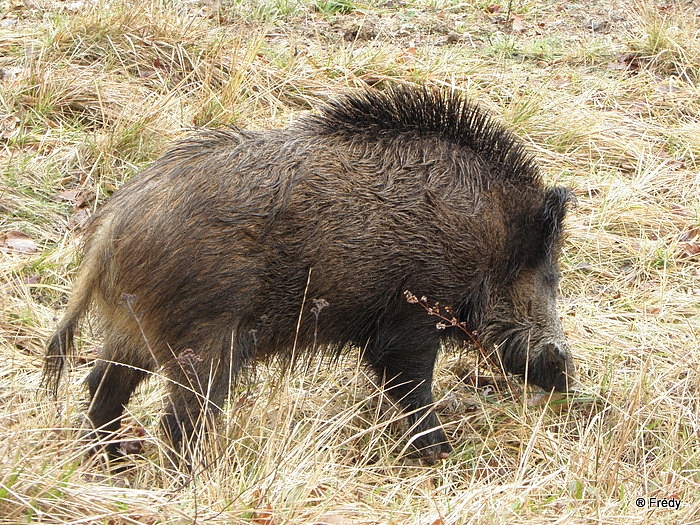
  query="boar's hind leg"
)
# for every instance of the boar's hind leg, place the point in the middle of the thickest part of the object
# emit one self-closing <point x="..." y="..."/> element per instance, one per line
<point x="197" y="389"/>
<point x="406" y="363"/>
<point x="111" y="385"/>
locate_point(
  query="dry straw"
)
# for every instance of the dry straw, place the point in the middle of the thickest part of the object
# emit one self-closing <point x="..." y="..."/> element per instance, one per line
<point x="607" y="95"/>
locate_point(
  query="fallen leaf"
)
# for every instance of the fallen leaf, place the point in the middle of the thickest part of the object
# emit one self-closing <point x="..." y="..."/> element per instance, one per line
<point x="691" y="233"/>
<point x="518" y="23"/>
<point x="159" y="64"/>
<point x="146" y="72"/>
<point x="74" y="196"/>
<point x="19" y="242"/>
<point x="68" y="195"/>
<point x="78" y="219"/>
<point x="408" y="55"/>
<point x="262" y="517"/>
<point x="691" y="249"/>
<point x="628" y="62"/>
<point x="560" y="81"/>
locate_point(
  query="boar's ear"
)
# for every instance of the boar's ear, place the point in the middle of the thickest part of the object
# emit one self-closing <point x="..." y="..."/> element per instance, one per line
<point x="555" y="205"/>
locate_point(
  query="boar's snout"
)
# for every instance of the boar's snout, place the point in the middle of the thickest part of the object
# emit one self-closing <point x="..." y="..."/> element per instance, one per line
<point x="552" y="368"/>
<point x="538" y="352"/>
<point x="545" y="361"/>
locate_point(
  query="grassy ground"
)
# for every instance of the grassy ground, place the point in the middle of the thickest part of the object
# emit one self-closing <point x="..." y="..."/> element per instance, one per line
<point x="607" y="94"/>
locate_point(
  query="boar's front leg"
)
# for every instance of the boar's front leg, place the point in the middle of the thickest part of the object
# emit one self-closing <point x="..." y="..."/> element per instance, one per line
<point x="404" y="359"/>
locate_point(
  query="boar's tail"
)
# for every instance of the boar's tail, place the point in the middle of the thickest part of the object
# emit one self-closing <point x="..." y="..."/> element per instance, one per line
<point x="61" y="344"/>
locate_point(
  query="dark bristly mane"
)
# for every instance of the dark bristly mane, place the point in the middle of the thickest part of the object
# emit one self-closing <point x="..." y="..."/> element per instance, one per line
<point x="428" y="112"/>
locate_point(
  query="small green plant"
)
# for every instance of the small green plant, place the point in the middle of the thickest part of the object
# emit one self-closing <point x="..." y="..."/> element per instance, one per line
<point x="333" y="7"/>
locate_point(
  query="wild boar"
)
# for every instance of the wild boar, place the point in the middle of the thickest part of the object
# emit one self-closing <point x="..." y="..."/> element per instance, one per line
<point x="200" y="264"/>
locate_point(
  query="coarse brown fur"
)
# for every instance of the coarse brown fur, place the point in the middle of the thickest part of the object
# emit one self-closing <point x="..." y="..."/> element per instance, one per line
<point x="201" y="263"/>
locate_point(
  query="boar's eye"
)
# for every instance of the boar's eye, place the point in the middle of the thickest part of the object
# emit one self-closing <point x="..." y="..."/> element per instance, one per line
<point x="529" y="307"/>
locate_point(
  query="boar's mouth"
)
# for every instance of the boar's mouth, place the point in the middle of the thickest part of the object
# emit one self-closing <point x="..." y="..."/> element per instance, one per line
<point x="544" y="363"/>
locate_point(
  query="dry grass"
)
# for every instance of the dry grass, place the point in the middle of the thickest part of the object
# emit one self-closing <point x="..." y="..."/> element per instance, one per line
<point x="607" y="95"/>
